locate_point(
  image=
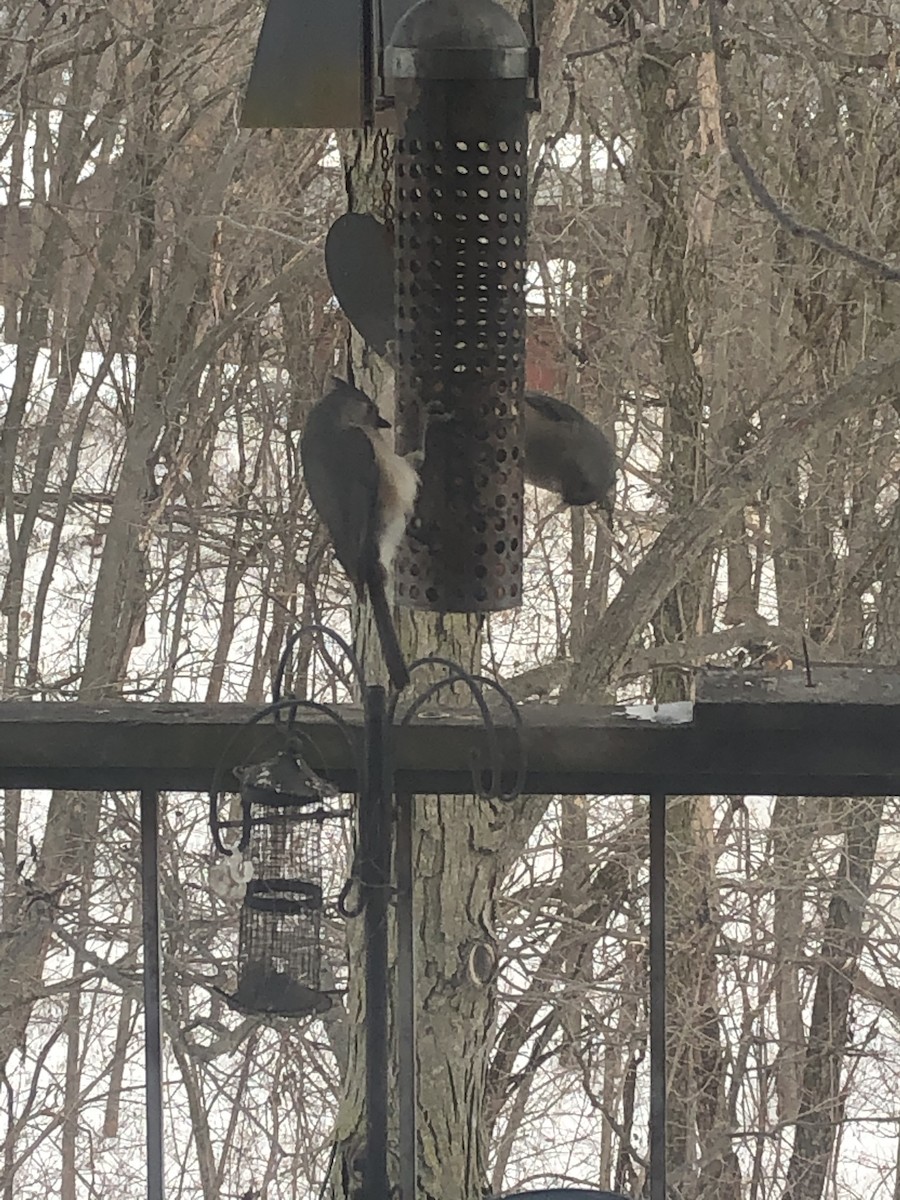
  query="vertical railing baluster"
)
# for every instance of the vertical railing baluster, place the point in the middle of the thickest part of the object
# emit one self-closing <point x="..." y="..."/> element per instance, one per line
<point x="152" y="1001"/>
<point x="658" y="1186"/>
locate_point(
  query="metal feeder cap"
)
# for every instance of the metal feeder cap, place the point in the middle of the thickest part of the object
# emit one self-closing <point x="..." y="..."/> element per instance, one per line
<point x="458" y="39"/>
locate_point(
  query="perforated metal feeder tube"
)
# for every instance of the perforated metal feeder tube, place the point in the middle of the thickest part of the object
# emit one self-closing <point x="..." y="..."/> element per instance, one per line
<point x="459" y="73"/>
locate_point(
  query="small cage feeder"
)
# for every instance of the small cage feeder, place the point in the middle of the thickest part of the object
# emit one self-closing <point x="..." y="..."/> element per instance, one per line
<point x="284" y="808"/>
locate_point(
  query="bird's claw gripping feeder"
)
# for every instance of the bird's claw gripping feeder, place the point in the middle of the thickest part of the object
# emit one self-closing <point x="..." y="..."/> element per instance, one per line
<point x="456" y="80"/>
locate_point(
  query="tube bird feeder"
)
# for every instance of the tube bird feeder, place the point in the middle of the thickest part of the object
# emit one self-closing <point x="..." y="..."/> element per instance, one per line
<point x="460" y="74"/>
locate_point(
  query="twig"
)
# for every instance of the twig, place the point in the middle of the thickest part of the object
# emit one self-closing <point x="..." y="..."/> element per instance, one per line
<point x="758" y="189"/>
<point x="553" y="141"/>
<point x="573" y="55"/>
<point x="806" y="663"/>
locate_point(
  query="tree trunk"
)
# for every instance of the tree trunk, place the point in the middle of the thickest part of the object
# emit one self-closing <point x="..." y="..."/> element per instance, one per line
<point x="696" y="1084"/>
<point x="821" y="1096"/>
<point x="165" y="319"/>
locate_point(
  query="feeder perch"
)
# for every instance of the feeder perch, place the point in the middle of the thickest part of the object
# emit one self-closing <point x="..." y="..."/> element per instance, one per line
<point x="460" y="76"/>
<point x="283" y="810"/>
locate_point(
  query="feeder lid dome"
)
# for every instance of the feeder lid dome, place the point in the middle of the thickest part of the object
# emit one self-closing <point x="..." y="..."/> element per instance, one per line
<point x="458" y="25"/>
<point x="458" y="40"/>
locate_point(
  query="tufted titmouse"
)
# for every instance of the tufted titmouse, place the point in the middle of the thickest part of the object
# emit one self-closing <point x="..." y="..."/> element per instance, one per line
<point x="364" y="493"/>
<point x="568" y="454"/>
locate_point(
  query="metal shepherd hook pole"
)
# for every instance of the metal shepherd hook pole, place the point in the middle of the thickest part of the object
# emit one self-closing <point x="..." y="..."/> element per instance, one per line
<point x="375" y="876"/>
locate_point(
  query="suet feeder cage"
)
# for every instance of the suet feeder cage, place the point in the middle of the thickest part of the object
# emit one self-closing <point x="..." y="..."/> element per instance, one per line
<point x="284" y="808"/>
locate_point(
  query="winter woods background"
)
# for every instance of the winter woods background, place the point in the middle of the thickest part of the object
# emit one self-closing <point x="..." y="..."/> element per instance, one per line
<point x="166" y="323"/>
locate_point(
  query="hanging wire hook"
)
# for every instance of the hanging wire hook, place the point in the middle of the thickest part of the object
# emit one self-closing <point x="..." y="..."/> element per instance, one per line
<point x="323" y="631"/>
<point x="476" y="685"/>
<point x="458" y="673"/>
<point x="513" y="708"/>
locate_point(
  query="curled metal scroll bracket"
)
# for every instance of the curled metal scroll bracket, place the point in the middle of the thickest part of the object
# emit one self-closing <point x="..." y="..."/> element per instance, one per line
<point x="488" y="767"/>
<point x="323" y="631"/>
<point x="476" y="685"/>
<point x="348" y="910"/>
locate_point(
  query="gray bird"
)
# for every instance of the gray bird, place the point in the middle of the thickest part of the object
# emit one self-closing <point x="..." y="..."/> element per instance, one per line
<point x="568" y="454"/>
<point x="364" y="493"/>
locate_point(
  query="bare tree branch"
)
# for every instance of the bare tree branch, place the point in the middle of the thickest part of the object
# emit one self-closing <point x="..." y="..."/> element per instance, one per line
<point x="758" y="189"/>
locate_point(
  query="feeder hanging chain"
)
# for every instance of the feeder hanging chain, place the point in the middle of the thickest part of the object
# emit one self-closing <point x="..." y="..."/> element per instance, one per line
<point x="387" y="182"/>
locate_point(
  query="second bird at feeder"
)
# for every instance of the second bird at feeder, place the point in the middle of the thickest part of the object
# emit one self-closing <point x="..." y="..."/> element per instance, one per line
<point x="566" y="453"/>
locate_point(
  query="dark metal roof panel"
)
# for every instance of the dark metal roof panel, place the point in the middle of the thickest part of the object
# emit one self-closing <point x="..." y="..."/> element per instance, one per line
<point x="308" y="68"/>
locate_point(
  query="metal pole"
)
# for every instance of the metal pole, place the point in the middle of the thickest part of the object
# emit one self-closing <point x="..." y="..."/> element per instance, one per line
<point x="658" y="1186"/>
<point x="375" y="876"/>
<point x="152" y="1005"/>
<point x="407" y="1083"/>
<point x="368" y="62"/>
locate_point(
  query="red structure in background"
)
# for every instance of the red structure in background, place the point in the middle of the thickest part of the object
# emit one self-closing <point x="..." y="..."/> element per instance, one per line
<point x="545" y="369"/>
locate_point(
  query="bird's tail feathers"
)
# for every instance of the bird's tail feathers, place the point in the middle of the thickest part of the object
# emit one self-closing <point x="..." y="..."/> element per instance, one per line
<point x="387" y="633"/>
